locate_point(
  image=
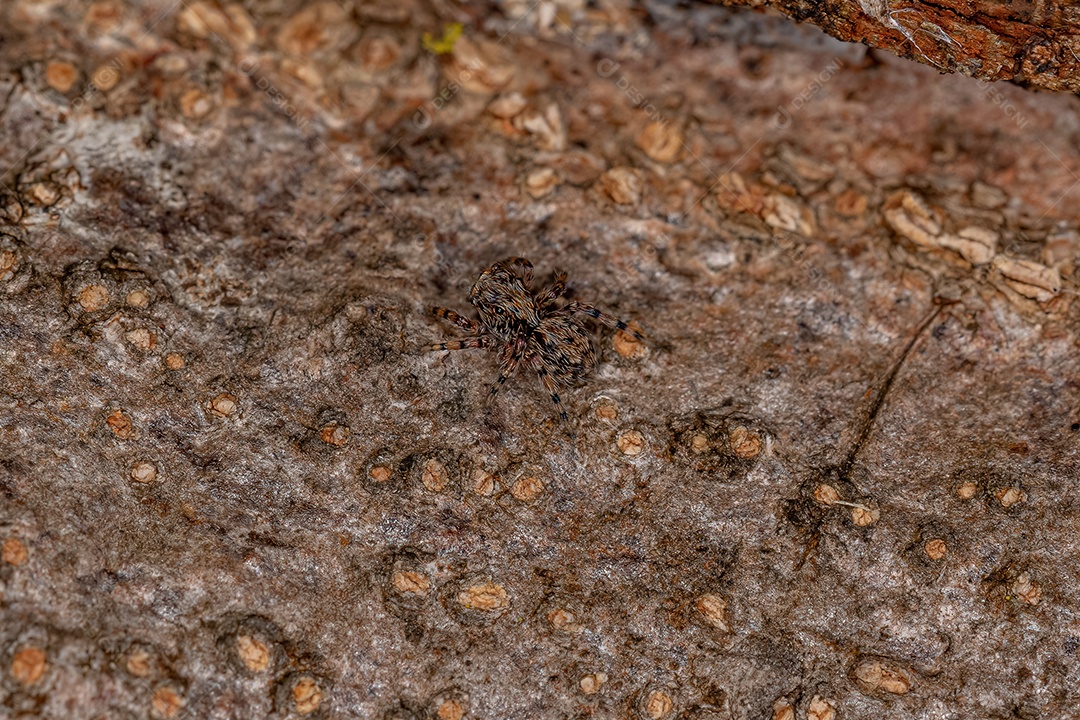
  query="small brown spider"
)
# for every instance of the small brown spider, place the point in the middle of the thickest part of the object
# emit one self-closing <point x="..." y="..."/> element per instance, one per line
<point x="527" y="330"/>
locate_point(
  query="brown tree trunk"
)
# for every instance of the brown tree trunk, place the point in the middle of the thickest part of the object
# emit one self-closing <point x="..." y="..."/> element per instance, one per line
<point x="1035" y="43"/>
<point x="838" y="479"/>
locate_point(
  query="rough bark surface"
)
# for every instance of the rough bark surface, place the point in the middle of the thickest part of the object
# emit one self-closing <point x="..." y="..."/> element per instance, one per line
<point x="1033" y="42"/>
<point x="839" y="481"/>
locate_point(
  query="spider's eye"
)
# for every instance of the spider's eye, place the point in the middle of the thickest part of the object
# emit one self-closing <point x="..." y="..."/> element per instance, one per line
<point x="498" y="310"/>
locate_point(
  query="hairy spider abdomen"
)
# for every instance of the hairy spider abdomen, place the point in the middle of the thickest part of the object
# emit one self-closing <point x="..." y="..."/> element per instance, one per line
<point x="564" y="347"/>
<point x="528" y="329"/>
<point x="506" y="307"/>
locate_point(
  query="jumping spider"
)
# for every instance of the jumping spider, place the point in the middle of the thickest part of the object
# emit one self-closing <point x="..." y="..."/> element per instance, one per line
<point x="527" y="329"/>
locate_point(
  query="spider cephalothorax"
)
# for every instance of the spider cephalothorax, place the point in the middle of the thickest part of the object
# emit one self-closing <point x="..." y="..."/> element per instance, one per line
<point x="528" y="329"/>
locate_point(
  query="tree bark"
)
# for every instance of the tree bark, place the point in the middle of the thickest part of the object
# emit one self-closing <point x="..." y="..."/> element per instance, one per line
<point x="1033" y="43"/>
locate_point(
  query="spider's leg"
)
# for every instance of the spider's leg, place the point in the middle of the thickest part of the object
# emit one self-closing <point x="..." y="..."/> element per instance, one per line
<point x="523" y="265"/>
<point x="468" y="343"/>
<point x="609" y="320"/>
<point x="549" y="384"/>
<point x="555" y="291"/>
<point x="510" y="357"/>
<point x="460" y="320"/>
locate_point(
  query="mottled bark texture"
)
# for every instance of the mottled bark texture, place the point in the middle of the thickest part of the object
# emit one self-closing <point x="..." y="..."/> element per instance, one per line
<point x="839" y="480"/>
<point x="1031" y="42"/>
